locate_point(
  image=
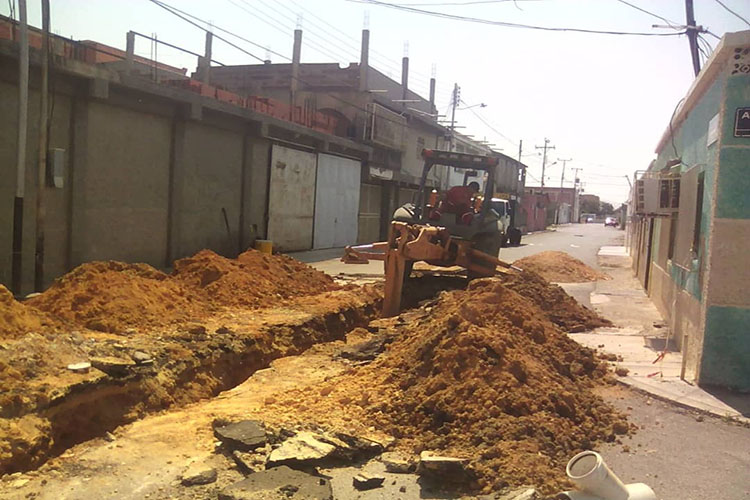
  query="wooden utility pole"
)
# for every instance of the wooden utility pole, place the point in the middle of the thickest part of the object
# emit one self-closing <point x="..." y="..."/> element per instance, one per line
<point x="23" y="117"/>
<point x="42" y="166"/>
<point x="692" y="34"/>
<point x="544" y="158"/>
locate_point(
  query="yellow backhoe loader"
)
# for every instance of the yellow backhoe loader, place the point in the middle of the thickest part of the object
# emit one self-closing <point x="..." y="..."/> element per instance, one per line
<point x="433" y="231"/>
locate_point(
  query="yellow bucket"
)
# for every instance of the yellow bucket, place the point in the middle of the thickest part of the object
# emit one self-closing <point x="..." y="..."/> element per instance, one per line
<point x="264" y="246"/>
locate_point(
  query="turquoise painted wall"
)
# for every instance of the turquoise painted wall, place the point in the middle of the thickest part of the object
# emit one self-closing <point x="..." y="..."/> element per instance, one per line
<point x="726" y="345"/>
<point x="726" y="348"/>
<point x="733" y="197"/>
<point x="690" y="142"/>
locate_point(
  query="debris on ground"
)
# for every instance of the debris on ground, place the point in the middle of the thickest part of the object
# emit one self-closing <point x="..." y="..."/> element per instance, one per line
<point x="246" y="435"/>
<point x="559" y="267"/>
<point x="364" y="481"/>
<point x="279" y="482"/>
<point x="484" y="377"/>
<point x="197" y="474"/>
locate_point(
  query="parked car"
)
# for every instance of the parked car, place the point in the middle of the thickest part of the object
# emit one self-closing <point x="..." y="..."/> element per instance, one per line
<point x="610" y="221"/>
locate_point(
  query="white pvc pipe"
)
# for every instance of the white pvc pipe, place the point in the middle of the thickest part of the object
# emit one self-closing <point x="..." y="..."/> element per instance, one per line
<point x="596" y="481"/>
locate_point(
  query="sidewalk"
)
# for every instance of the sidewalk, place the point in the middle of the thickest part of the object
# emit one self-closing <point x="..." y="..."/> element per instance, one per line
<point x="640" y="336"/>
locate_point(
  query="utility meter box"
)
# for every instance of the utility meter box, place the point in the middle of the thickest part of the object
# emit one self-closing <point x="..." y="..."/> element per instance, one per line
<point x="56" y="168"/>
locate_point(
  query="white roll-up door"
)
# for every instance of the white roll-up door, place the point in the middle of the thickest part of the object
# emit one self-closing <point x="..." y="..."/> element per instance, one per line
<point x="336" y="202"/>
<point x="291" y="198"/>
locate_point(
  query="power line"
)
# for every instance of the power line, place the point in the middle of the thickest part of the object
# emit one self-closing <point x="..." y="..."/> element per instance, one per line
<point x="332" y="96"/>
<point x="213" y="26"/>
<point x="168" y="9"/>
<point x="657" y="16"/>
<point x="471" y="2"/>
<point x="506" y="24"/>
<point x="492" y="128"/>
<point x="733" y="12"/>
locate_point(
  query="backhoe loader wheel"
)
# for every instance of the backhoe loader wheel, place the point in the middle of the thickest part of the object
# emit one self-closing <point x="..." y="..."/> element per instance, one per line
<point x="489" y="244"/>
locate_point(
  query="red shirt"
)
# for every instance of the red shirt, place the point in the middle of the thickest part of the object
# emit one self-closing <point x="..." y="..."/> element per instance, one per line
<point x="460" y="196"/>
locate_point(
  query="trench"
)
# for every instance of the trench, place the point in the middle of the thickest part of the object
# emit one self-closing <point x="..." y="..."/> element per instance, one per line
<point x="214" y="364"/>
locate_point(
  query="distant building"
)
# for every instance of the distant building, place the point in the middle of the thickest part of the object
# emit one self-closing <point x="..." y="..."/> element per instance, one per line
<point x="690" y="221"/>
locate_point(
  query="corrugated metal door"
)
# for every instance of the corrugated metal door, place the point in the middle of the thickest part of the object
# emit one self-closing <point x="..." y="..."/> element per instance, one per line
<point x="336" y="202"/>
<point x="291" y="198"/>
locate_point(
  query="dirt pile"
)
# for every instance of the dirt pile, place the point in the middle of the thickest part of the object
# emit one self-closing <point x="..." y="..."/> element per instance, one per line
<point x="114" y="296"/>
<point x="483" y="375"/>
<point x="557" y="306"/>
<point x="253" y="279"/>
<point x="560" y="267"/>
<point x="16" y="319"/>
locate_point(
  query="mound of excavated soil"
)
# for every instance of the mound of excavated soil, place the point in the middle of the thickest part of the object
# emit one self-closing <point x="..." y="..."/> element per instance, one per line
<point x="254" y="279"/>
<point x="557" y="306"/>
<point x="484" y="375"/>
<point x="559" y="267"/>
<point x="16" y="319"/>
<point x="114" y="296"/>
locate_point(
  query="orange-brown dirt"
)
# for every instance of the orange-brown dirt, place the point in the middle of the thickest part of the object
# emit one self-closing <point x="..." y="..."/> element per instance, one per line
<point x="17" y="320"/>
<point x="559" y="307"/>
<point x="559" y="267"/>
<point x="483" y="374"/>
<point x="114" y="296"/>
<point x="254" y="279"/>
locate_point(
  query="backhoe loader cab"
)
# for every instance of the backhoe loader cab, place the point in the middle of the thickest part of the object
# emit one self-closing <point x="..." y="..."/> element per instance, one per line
<point x="478" y="225"/>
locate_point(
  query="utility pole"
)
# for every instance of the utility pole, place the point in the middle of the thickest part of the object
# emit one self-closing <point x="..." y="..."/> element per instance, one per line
<point x="23" y="116"/>
<point x="544" y="158"/>
<point x="523" y="171"/>
<point x="576" y="199"/>
<point x="42" y="166"/>
<point x="454" y="104"/>
<point x="692" y="34"/>
<point x="562" y="181"/>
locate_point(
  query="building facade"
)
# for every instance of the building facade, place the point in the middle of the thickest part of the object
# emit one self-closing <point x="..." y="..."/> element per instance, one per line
<point x="690" y="224"/>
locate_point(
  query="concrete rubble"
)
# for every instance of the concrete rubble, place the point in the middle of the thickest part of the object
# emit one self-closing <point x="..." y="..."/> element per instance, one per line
<point x="197" y="474"/>
<point x="279" y="482"/>
<point x="246" y="435"/>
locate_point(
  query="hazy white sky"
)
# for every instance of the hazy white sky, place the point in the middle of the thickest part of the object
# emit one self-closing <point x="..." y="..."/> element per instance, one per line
<point x="602" y="100"/>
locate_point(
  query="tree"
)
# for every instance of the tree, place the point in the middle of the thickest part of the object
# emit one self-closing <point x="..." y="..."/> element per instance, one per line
<point x="606" y="209"/>
<point x="589" y="206"/>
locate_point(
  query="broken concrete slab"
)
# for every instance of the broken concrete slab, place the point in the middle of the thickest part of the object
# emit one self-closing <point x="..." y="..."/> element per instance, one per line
<point x="246" y="435"/>
<point x="198" y="473"/>
<point x="112" y="366"/>
<point x="398" y="463"/>
<point x="141" y="358"/>
<point x="280" y="482"/>
<point x="364" y="481"/>
<point x="304" y="449"/>
<point x="367" y="350"/>
<point x="450" y="469"/>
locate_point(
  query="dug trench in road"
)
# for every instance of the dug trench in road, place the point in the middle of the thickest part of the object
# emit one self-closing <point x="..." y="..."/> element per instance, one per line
<point x="147" y="457"/>
<point x="142" y="364"/>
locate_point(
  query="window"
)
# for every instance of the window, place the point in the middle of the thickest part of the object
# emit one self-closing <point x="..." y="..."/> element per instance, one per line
<point x="698" y="213"/>
<point x="420" y="147"/>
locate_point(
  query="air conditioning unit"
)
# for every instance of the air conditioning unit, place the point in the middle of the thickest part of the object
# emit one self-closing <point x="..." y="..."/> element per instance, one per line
<point x="657" y="195"/>
<point x="669" y="195"/>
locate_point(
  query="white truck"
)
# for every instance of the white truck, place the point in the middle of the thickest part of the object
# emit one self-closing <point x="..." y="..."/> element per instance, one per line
<point x="504" y="211"/>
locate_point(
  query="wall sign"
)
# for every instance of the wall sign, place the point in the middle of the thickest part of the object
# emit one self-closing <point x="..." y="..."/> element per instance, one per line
<point x="742" y="123"/>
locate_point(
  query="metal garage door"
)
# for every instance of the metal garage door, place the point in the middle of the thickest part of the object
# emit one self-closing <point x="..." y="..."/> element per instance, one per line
<point x="336" y="202"/>
<point x="291" y="198"/>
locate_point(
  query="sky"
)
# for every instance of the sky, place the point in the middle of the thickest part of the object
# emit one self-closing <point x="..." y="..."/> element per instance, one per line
<point x="603" y="101"/>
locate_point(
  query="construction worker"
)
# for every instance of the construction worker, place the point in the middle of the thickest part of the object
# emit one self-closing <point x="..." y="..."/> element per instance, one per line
<point x="458" y="201"/>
